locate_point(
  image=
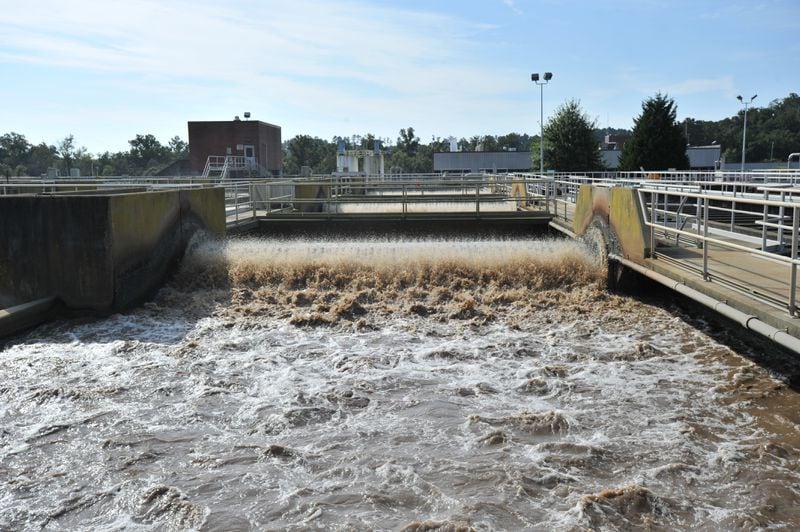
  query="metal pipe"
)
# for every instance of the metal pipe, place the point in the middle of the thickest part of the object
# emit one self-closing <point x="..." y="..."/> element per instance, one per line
<point x="747" y="321"/>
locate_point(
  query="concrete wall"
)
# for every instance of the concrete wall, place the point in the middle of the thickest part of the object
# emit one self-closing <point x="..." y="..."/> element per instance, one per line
<point x="616" y="213"/>
<point x="101" y="253"/>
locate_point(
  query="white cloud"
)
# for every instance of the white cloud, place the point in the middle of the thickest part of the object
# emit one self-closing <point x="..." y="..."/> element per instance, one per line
<point x="512" y="5"/>
<point x="304" y="38"/>
<point x="723" y="85"/>
<point x="330" y="59"/>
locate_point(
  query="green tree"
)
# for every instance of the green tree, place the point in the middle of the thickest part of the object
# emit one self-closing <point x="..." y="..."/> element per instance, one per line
<point x="14" y="149"/>
<point x="305" y="150"/>
<point x="536" y="152"/>
<point x="513" y="142"/>
<point x="407" y="142"/>
<point x="658" y="141"/>
<point x="40" y="158"/>
<point x="66" y="149"/>
<point x="489" y="143"/>
<point x="147" y="154"/>
<point x="178" y="147"/>
<point x="439" y="145"/>
<point x="569" y="141"/>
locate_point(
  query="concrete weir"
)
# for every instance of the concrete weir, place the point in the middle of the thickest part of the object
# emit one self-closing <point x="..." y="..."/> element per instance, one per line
<point x="611" y="221"/>
<point x="94" y="252"/>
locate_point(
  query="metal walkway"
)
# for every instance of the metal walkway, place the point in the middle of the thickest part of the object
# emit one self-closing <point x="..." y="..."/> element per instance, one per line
<point x="497" y="198"/>
<point x="735" y="242"/>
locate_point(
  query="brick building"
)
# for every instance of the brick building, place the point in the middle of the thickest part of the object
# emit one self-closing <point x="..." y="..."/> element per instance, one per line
<point x="258" y="142"/>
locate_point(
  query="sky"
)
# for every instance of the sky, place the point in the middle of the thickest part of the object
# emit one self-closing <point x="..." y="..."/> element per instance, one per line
<point x="108" y="70"/>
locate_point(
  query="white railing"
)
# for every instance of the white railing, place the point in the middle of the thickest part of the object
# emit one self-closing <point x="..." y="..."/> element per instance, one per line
<point x="766" y="246"/>
<point x="343" y="196"/>
<point x="222" y="165"/>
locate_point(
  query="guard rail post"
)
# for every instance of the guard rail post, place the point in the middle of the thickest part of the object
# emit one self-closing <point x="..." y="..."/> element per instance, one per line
<point x="653" y="205"/>
<point x="705" y="239"/>
<point x="697" y="217"/>
<point x="764" y="221"/>
<point x="253" y="199"/>
<point x="793" y="281"/>
<point x="781" y="214"/>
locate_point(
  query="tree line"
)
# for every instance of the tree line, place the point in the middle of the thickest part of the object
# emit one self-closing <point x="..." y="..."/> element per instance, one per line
<point x="408" y="154"/>
<point x="146" y="156"/>
<point x="572" y="141"/>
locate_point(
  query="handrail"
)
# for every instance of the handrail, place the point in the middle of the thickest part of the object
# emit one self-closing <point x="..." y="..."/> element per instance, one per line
<point x="657" y="218"/>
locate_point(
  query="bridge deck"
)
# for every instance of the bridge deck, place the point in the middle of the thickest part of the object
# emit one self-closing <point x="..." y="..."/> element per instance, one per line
<point x="741" y="267"/>
<point x="759" y="289"/>
<point x="247" y="220"/>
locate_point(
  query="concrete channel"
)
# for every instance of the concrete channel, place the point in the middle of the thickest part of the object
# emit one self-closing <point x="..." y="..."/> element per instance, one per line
<point x="94" y="252"/>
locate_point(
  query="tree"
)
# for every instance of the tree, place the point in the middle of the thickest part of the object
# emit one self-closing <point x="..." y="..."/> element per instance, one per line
<point x="13" y="149"/>
<point x="489" y="143"/>
<point x="147" y="153"/>
<point x="40" y="158"/>
<point x="305" y="150"/>
<point x="569" y="141"/>
<point x="66" y="149"/>
<point x="178" y="147"/>
<point x="658" y="141"/>
<point x="407" y="142"/>
<point x="439" y="145"/>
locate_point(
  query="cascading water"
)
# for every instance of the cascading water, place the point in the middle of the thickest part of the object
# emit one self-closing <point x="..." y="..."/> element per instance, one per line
<point x="411" y="384"/>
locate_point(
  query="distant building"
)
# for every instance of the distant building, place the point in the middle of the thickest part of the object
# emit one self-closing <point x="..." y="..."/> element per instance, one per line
<point x="483" y="161"/>
<point x="255" y="143"/>
<point x="700" y="158"/>
<point x="359" y="161"/>
<point x="614" y="142"/>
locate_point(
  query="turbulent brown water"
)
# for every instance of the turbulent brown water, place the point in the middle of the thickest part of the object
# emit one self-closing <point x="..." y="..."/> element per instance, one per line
<point x="393" y="385"/>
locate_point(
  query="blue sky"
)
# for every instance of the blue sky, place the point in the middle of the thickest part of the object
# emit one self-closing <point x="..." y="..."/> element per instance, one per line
<point x="107" y="70"/>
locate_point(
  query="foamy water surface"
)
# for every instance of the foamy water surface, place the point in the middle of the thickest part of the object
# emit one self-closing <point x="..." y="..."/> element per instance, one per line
<point x="385" y="385"/>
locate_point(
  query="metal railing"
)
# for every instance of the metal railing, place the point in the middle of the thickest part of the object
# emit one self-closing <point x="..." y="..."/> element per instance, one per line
<point x="342" y="196"/>
<point x="765" y="248"/>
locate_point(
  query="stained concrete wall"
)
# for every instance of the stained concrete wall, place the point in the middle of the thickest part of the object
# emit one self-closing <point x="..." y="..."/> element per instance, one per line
<point x="615" y="211"/>
<point x="100" y="253"/>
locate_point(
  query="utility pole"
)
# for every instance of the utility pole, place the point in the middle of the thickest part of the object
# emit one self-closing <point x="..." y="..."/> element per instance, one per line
<point x="744" y="130"/>
<point x="535" y="78"/>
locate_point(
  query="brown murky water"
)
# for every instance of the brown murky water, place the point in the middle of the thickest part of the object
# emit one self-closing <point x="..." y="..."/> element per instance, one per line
<point x="394" y="385"/>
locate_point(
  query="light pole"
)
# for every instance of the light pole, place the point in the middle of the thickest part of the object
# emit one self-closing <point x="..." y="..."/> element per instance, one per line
<point x="744" y="130"/>
<point x="535" y="78"/>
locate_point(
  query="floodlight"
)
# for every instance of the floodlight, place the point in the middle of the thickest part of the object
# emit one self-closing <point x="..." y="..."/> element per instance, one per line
<point x="548" y="76"/>
<point x="535" y="77"/>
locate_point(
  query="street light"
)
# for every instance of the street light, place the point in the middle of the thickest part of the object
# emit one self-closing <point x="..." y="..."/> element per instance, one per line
<point x="744" y="131"/>
<point x="535" y="78"/>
